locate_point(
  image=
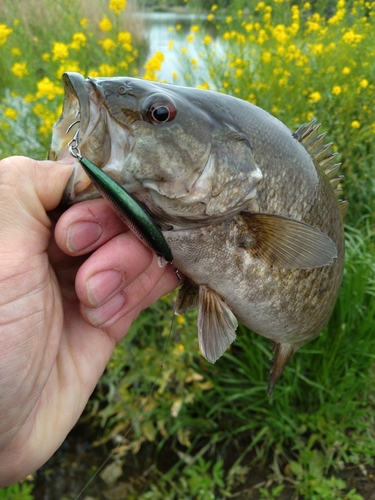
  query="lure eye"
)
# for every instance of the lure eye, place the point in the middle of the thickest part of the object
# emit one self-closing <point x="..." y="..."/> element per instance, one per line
<point x="160" y="113"/>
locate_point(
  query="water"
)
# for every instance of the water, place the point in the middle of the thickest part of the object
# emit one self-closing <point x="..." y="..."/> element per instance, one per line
<point x="158" y="28"/>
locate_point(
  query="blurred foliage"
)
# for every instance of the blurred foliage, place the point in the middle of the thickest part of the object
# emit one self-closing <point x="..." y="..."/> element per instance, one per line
<point x="298" y="61"/>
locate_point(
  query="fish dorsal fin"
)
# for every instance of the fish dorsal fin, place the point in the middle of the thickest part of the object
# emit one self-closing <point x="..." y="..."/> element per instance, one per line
<point x="321" y="153"/>
<point x="216" y="324"/>
<point x="343" y="207"/>
<point x="286" y="242"/>
<point x="187" y="298"/>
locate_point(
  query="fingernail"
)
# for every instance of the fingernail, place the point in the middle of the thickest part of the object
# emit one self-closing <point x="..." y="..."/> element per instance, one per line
<point x="101" y="286"/>
<point x="82" y="234"/>
<point x="105" y="312"/>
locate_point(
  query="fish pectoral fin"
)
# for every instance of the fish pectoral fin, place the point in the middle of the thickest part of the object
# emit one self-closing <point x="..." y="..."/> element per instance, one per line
<point x="282" y="355"/>
<point x="287" y="242"/>
<point x="216" y="324"/>
<point x="187" y="298"/>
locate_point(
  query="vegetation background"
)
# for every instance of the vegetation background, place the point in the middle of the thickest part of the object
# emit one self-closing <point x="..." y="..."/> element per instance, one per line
<point x="193" y="430"/>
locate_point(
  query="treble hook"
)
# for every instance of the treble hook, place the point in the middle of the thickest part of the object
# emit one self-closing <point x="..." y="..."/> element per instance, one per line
<point x="71" y="126"/>
<point x="73" y="146"/>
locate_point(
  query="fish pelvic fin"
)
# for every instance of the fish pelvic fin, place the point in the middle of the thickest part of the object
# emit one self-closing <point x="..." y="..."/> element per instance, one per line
<point x="187" y="298"/>
<point x="216" y="324"/>
<point x="321" y="153"/>
<point x="286" y="242"/>
<point x="282" y="355"/>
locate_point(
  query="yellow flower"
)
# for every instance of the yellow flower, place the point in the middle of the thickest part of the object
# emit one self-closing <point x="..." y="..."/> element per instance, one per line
<point x="46" y="56"/>
<point x="228" y="19"/>
<point x="174" y="74"/>
<point x="352" y="38"/>
<point x="184" y="50"/>
<point x="178" y="27"/>
<point x="105" y="25"/>
<point x="4" y="33"/>
<point x="107" y="70"/>
<point x="190" y="38"/>
<point x="307" y="5"/>
<point x="59" y="51"/>
<point x="117" y="5"/>
<point x="363" y="83"/>
<point x="204" y="86"/>
<point x="266" y="56"/>
<point x="214" y="7"/>
<point x="83" y="22"/>
<point x="10" y="113"/>
<point x="180" y="321"/>
<point x="346" y="70"/>
<point x="336" y="90"/>
<point x="152" y="65"/>
<point x="78" y="41"/>
<point x="108" y="45"/>
<point x="170" y="44"/>
<point x="238" y="73"/>
<point x="355" y="124"/>
<point x="46" y="88"/>
<point x="207" y="40"/>
<point x="315" y="97"/>
<point x="16" y="52"/>
<point x="20" y="69"/>
<point x="195" y="28"/>
<point x="210" y="17"/>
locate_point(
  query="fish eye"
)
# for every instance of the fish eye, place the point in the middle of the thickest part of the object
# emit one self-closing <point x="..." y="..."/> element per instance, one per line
<point x="160" y="113"/>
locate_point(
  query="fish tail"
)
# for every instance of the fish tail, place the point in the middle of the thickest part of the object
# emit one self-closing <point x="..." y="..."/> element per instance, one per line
<point x="282" y="355"/>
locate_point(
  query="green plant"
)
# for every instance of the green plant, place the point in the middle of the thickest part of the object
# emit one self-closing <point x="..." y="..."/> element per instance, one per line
<point x="18" y="491"/>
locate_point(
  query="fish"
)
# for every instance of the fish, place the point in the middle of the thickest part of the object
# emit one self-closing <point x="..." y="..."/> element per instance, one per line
<point x="250" y="210"/>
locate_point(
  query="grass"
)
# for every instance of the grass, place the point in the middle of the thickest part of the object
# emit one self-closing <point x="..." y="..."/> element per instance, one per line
<point x="216" y="420"/>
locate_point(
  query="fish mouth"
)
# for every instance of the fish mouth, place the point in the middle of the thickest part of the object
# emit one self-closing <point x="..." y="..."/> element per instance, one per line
<point x="84" y="120"/>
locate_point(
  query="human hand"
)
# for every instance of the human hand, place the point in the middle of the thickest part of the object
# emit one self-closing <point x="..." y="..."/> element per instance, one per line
<point x="61" y="311"/>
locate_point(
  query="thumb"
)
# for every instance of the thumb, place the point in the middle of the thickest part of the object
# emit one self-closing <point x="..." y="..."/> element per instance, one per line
<point x="36" y="186"/>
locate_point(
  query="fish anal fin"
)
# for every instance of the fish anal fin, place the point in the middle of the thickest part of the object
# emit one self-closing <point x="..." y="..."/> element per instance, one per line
<point x="282" y="355"/>
<point x="187" y="298"/>
<point x="216" y="324"/>
<point x="286" y="242"/>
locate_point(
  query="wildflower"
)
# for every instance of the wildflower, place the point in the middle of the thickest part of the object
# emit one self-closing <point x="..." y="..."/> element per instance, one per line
<point x="174" y="74"/>
<point x="363" y="83"/>
<point x="336" y="90"/>
<point x="238" y="73"/>
<point x="355" y="124"/>
<point x="117" y="6"/>
<point x="210" y="17"/>
<point x="10" y="113"/>
<point x="59" y="51"/>
<point x="20" y="69"/>
<point x="170" y="44"/>
<point x="346" y="70"/>
<point x="315" y="97"/>
<point x="307" y="5"/>
<point x="214" y="7"/>
<point x="152" y="65"/>
<point x="352" y="38"/>
<point x="126" y="40"/>
<point x="180" y="321"/>
<point x="105" y="25"/>
<point x="16" y="52"/>
<point x="46" y="88"/>
<point x="266" y="56"/>
<point x="83" y="22"/>
<point x="195" y="28"/>
<point x="190" y="38"/>
<point x="178" y="27"/>
<point x="46" y="56"/>
<point x="184" y="50"/>
<point x="4" y="33"/>
<point x="108" y="45"/>
<point x="207" y="40"/>
<point x="228" y="19"/>
<point x="107" y="70"/>
<point x="204" y="86"/>
<point x="78" y="41"/>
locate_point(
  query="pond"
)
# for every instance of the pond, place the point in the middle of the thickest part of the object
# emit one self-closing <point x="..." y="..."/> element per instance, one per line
<point x="158" y="26"/>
